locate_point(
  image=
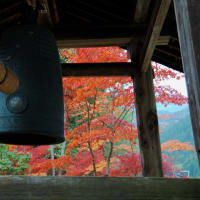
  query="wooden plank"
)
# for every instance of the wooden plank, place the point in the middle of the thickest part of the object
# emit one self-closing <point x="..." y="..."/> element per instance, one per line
<point x="97" y="188"/>
<point x="98" y="69"/>
<point x="147" y="123"/>
<point x="157" y="20"/>
<point x="163" y="40"/>
<point x="187" y="16"/>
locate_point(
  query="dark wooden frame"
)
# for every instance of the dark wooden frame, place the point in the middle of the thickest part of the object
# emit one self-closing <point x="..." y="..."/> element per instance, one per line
<point x="142" y="39"/>
<point x="187" y="16"/>
<point x="97" y="188"/>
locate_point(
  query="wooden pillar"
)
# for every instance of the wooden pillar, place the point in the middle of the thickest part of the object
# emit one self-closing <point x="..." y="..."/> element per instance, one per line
<point x="147" y="123"/>
<point x="187" y="17"/>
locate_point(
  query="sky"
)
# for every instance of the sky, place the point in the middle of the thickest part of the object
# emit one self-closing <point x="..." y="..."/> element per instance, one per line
<point x="179" y="85"/>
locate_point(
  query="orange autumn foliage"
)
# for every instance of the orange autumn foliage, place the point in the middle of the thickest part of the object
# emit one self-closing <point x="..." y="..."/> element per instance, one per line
<point x="176" y="145"/>
<point x="100" y="105"/>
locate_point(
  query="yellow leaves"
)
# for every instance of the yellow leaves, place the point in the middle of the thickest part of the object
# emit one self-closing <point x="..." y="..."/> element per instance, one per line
<point x="94" y="145"/>
<point x="176" y="145"/>
<point x="125" y="147"/>
<point x="99" y="166"/>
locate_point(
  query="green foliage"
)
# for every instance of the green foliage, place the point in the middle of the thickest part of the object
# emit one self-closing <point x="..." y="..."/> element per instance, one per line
<point x="91" y="100"/>
<point x="63" y="59"/>
<point x="13" y="162"/>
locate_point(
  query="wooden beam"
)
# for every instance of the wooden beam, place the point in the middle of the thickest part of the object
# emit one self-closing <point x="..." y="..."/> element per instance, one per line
<point x="98" y="35"/>
<point x="53" y="11"/>
<point x="97" y="188"/>
<point x="44" y="16"/>
<point x="10" y="18"/>
<point x="141" y="11"/>
<point x="187" y="16"/>
<point x="11" y="8"/>
<point x="147" y="123"/>
<point x="98" y="69"/>
<point x="118" y="41"/>
<point x="157" y="20"/>
<point x="163" y="40"/>
<point x="140" y="16"/>
<point x="103" y="42"/>
<point x="96" y="32"/>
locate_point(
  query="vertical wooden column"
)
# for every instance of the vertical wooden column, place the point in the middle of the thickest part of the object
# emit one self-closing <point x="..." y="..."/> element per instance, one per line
<point x="147" y="122"/>
<point x="187" y="17"/>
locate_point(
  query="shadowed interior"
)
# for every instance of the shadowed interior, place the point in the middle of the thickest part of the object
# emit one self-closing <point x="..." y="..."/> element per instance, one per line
<point x="29" y="139"/>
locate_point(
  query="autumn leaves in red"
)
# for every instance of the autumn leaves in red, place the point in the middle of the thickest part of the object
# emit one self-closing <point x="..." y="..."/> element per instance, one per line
<point x="100" y="126"/>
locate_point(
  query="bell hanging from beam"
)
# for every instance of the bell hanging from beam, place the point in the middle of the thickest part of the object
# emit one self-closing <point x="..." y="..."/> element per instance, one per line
<point x="34" y="113"/>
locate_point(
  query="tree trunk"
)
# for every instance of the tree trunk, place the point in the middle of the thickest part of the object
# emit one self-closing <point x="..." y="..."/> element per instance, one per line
<point x="108" y="159"/>
<point x="52" y="158"/>
<point x="62" y="154"/>
<point x="93" y="159"/>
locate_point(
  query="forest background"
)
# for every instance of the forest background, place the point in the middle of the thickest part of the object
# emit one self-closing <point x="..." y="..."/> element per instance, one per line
<point x="100" y="126"/>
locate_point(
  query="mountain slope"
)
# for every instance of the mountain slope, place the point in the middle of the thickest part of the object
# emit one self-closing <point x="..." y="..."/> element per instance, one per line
<point x="178" y="127"/>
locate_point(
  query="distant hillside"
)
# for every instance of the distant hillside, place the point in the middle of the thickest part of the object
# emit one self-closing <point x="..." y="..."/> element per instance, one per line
<point x="175" y="124"/>
<point x="178" y="127"/>
<point x="171" y="108"/>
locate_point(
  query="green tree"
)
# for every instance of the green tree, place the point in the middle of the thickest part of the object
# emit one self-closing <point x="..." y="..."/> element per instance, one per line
<point x="13" y="162"/>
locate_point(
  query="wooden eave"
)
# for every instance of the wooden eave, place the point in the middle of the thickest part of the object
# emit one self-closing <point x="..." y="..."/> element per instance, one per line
<point x="81" y="23"/>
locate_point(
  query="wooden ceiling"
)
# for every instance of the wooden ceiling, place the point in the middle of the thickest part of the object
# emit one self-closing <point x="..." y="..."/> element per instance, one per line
<point x="131" y="24"/>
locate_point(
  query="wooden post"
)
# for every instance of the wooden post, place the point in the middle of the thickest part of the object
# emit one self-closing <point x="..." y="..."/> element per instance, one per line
<point x="187" y="17"/>
<point x="147" y="123"/>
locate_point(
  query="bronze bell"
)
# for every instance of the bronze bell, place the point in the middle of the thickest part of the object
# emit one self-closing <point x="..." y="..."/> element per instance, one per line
<point x="33" y="114"/>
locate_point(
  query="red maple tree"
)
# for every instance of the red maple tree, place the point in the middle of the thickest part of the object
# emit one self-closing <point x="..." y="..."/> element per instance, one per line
<point x="95" y="120"/>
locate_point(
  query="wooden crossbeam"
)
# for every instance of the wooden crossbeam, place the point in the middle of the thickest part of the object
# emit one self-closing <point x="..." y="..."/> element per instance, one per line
<point x="97" y="188"/>
<point x="163" y="40"/>
<point x="103" y="42"/>
<point x="93" y="36"/>
<point x="100" y="42"/>
<point x="157" y="20"/>
<point x="98" y="69"/>
<point x="97" y="36"/>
